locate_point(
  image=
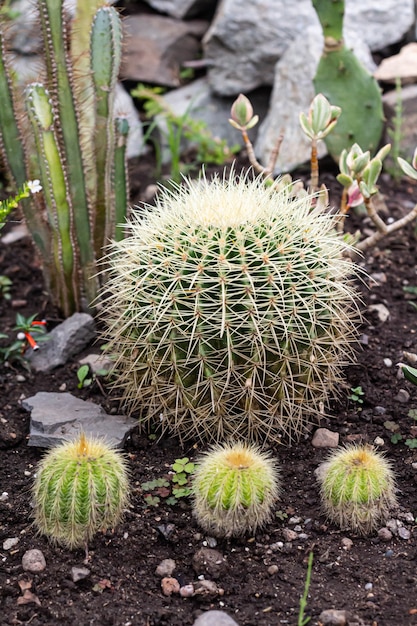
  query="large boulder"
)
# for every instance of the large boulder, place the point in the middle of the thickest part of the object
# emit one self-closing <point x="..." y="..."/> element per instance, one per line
<point x="247" y="37"/>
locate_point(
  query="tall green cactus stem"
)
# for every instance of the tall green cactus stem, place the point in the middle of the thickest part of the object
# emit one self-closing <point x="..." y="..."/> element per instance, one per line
<point x="347" y="84"/>
<point x="120" y="174"/>
<point x="229" y="311"/>
<point x="82" y="209"/>
<point x="81" y="487"/>
<point x="106" y="38"/>
<point x="235" y="487"/>
<point x="357" y="488"/>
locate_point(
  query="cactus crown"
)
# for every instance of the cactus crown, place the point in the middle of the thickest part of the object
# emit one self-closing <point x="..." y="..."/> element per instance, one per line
<point x="81" y="487"/>
<point x="229" y="311"/>
<point x="234" y="486"/>
<point x="358" y="488"/>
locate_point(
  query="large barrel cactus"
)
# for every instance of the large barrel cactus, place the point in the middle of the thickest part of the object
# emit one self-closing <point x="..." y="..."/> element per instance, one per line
<point x="229" y="311"/>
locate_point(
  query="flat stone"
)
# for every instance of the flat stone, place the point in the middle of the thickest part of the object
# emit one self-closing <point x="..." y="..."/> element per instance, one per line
<point x="97" y="362"/>
<point x="79" y="573"/>
<point x="58" y="417"/>
<point x="165" y="568"/>
<point x="209" y="562"/>
<point x="183" y="8"/>
<point x="62" y="343"/>
<point x="215" y="618"/>
<point x="325" y="438"/>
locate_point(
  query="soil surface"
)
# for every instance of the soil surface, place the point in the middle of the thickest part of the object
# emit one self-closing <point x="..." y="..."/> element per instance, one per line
<point x="373" y="580"/>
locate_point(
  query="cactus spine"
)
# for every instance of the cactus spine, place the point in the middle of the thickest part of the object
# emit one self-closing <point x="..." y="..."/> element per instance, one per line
<point x="357" y="488"/>
<point x="80" y="194"/>
<point x="234" y="487"/>
<point x="81" y="488"/>
<point x="346" y="83"/>
<point x="229" y="312"/>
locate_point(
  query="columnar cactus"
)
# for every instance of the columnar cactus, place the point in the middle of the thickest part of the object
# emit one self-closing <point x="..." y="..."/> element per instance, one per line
<point x="72" y="144"/>
<point x="346" y="83"/>
<point x="229" y="311"/>
<point x="81" y="488"/>
<point x="234" y="488"/>
<point x="357" y="488"/>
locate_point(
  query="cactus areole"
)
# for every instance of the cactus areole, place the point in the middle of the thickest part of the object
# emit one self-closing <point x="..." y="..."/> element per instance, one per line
<point x="229" y="311"/>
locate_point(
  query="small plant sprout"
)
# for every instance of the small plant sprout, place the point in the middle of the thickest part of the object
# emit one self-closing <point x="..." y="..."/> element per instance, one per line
<point x="357" y="395"/>
<point x="7" y="205"/>
<point x="357" y="488"/>
<point x="302" y="619"/>
<point x="235" y="487"/>
<point x="171" y="488"/>
<point x="81" y="488"/>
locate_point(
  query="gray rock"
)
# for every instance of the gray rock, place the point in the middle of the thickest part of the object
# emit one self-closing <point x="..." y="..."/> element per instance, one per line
<point x="247" y="37"/>
<point x="292" y="93"/>
<point x="62" y="343"/>
<point x="33" y="561"/>
<point x="380" y="310"/>
<point x="58" y="417"/>
<point x="10" y="543"/>
<point x="183" y="8"/>
<point x="402" y="396"/>
<point x="198" y="101"/>
<point x="215" y="618"/>
<point x="156" y="47"/>
<point x="97" y="362"/>
<point x="404" y="533"/>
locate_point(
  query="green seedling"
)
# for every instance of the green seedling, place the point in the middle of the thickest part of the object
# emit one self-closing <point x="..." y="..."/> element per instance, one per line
<point x="357" y="395"/>
<point x="5" y="286"/>
<point x="302" y="620"/>
<point x="234" y="489"/>
<point x="357" y="488"/>
<point x="81" y="488"/>
<point x="7" y="205"/>
<point x="173" y="487"/>
<point x="86" y="376"/>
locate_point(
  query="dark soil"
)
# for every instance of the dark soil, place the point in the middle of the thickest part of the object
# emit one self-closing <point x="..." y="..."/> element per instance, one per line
<point x="123" y="588"/>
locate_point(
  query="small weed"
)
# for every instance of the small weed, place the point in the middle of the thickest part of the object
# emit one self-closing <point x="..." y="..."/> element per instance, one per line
<point x="171" y="488"/>
<point x="302" y="621"/>
<point x="281" y="515"/>
<point x="5" y="285"/>
<point x="411" y="443"/>
<point x="396" y="437"/>
<point x="86" y="376"/>
<point x="357" y="395"/>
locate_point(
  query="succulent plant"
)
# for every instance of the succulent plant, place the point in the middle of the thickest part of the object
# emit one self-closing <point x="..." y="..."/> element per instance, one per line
<point x="63" y="132"/>
<point x="229" y="311"/>
<point x="235" y="486"/>
<point x="346" y="83"/>
<point x="81" y="487"/>
<point x="357" y="488"/>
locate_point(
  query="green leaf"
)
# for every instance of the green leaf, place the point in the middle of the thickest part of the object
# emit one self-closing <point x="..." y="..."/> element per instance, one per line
<point x="413" y="414"/>
<point x="396" y="437"/>
<point x="411" y="443"/>
<point x="407" y="168"/>
<point x="410" y="373"/>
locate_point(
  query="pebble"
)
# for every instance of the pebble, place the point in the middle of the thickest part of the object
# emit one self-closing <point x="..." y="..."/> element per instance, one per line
<point x="4" y="496"/>
<point x="272" y="569"/>
<point x="211" y="542"/>
<point x="385" y="534"/>
<point x="387" y="362"/>
<point x="210" y="562"/>
<point x="369" y="587"/>
<point x="187" y="591"/>
<point x="79" y="573"/>
<point x="381" y="311"/>
<point x="325" y="438"/>
<point x="165" y="568"/>
<point x="392" y="525"/>
<point x="347" y="543"/>
<point x="215" y="618"/>
<point x="380" y="410"/>
<point x="404" y="533"/>
<point x="389" y="554"/>
<point x="20" y="378"/>
<point x="289" y="535"/>
<point x="378" y="441"/>
<point x="169" y="586"/>
<point x="294" y="520"/>
<point x="402" y="396"/>
<point x="33" y="561"/>
<point x="333" y="617"/>
<point x="278" y="545"/>
<point x="10" y="543"/>
<point x="207" y="588"/>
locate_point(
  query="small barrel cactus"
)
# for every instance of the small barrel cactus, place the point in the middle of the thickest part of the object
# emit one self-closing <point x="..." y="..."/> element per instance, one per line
<point x="229" y="311"/>
<point x="357" y="488"/>
<point x="234" y="489"/>
<point x="81" y="488"/>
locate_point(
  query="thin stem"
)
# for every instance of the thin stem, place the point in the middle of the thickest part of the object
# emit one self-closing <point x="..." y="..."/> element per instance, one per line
<point x="314" y="166"/>
<point x="379" y="234"/>
<point x="302" y="621"/>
